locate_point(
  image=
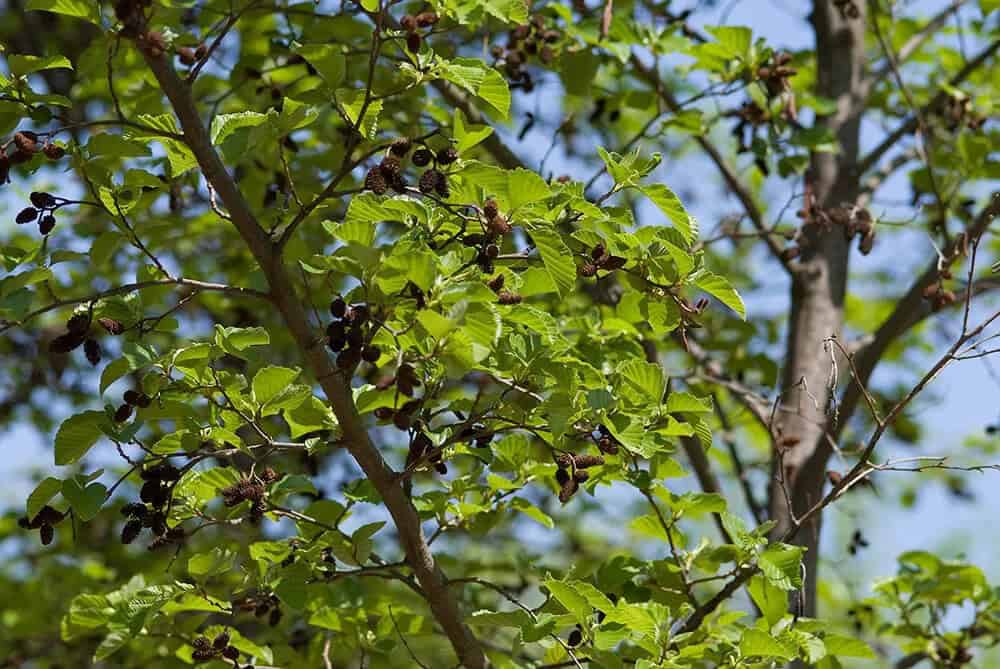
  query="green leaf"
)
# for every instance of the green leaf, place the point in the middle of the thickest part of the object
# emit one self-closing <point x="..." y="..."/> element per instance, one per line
<point x="481" y="80"/>
<point x="645" y="378"/>
<point x="756" y="643"/>
<point x="40" y="496"/>
<point x="225" y="125"/>
<point x="270" y="382"/>
<point x="82" y="9"/>
<point x="557" y="259"/>
<point x="781" y="564"/>
<point x="21" y="65"/>
<point x="467" y="137"/>
<point x="532" y="511"/>
<point x="720" y="288"/>
<point x="326" y="58"/>
<point x="77" y="435"/>
<point x="85" y="500"/>
<point x="567" y="595"/>
<point x="770" y="599"/>
<point x="352" y="102"/>
<point x="671" y="206"/>
<point x="736" y="40"/>
<point x="845" y="646"/>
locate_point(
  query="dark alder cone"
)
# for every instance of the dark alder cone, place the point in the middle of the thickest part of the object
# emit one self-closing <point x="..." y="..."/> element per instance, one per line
<point x="93" y="351"/>
<point x="562" y="476"/>
<point x="867" y="242"/>
<point x="200" y="52"/>
<point x="441" y="468"/>
<point x="221" y="641"/>
<point x="26" y="215"/>
<point x="131" y="531"/>
<point x="428" y="180"/>
<point x="422" y="157"/>
<point x="398" y="183"/>
<point x="492" y="251"/>
<point x="338" y="308"/>
<point x="496" y="283"/>
<point x="231" y="653"/>
<point x="564" y="460"/>
<point x="384" y="413"/>
<point x="499" y="226"/>
<point x="575" y="638"/>
<point x="53" y="152"/>
<point x="112" y="326"/>
<point x="375" y="182"/>
<point x="408" y="23"/>
<point x="599" y="252"/>
<point x="122" y="414"/>
<point x="520" y="32"/>
<point x="78" y="323"/>
<point x="390" y="167"/>
<point x="42" y="200"/>
<point x="47" y="533"/>
<point x="275" y="617"/>
<point x="568" y="490"/>
<point x="484" y="441"/>
<point x="201" y="643"/>
<point x="187" y="55"/>
<point x="586" y="270"/>
<point x="507" y="297"/>
<point x="607" y="446"/>
<point x="143" y="401"/>
<point x="401" y="420"/>
<point x="48" y="516"/>
<point x="371" y="354"/>
<point x="474" y="239"/>
<point x="158" y="521"/>
<point x="348" y="359"/>
<point x="612" y="263"/>
<point x="46" y="225"/>
<point x="585" y="461"/>
<point x="269" y="475"/>
<point x="26" y="142"/>
<point x="580" y="475"/>
<point x="24" y="523"/>
<point x="131" y="397"/>
<point x="134" y="509"/>
<point x="490" y="209"/>
<point x="150" y="490"/>
<point x="426" y="19"/>
<point x="442" y="188"/>
<point x="400" y="147"/>
<point x="355" y="337"/>
<point x="413" y="42"/>
<point x="447" y="156"/>
<point x="358" y="314"/>
<point x="200" y="654"/>
<point x="531" y="47"/>
<point x="66" y="342"/>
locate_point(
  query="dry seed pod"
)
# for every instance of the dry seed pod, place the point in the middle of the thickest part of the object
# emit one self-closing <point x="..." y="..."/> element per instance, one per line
<point x="568" y="490"/>
<point x="422" y="157"/>
<point x="375" y="182"/>
<point x="585" y="461"/>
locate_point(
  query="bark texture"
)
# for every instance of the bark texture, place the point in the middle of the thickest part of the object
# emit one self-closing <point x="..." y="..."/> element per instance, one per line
<point x="818" y="287"/>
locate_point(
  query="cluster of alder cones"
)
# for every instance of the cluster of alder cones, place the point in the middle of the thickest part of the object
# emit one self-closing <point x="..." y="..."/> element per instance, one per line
<point x="412" y="25"/>
<point x="347" y="334"/>
<point x="151" y="511"/>
<point x="261" y="604"/>
<point x="525" y="42"/>
<point x="390" y="172"/>
<point x="571" y="472"/>
<point x="79" y="331"/>
<point x="44" y="521"/>
<point x="219" y="647"/>
<point x="26" y="145"/>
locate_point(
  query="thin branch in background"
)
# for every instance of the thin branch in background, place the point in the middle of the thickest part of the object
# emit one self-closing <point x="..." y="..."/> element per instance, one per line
<point x="406" y="644"/>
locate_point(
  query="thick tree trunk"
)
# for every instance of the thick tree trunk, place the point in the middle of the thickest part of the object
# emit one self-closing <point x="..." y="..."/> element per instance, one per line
<point x="818" y="288"/>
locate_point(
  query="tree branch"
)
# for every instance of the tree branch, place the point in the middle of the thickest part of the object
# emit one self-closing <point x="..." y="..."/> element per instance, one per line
<point x="133" y="287"/>
<point x="911" y="123"/>
<point x="910" y="310"/>
<point x="739" y="189"/>
<point x="335" y="386"/>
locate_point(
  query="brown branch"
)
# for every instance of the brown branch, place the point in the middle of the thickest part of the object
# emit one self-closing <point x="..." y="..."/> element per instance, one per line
<point x="335" y="386"/>
<point x="739" y="189"/>
<point x="910" y="310"/>
<point x="133" y="287"/>
<point x="911" y="123"/>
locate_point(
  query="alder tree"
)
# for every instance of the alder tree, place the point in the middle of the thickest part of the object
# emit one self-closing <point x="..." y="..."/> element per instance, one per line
<point x="381" y="334"/>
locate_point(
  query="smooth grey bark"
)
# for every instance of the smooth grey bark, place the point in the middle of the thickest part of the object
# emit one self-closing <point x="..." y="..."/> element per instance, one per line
<point x="818" y="286"/>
